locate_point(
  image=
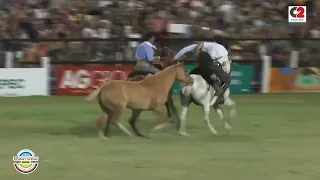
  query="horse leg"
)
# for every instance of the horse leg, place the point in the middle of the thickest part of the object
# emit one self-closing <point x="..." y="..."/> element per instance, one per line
<point x="168" y="110"/>
<point x="185" y="101"/>
<point x="161" y="118"/>
<point x="169" y="104"/>
<point x="183" y="118"/>
<point x="115" y="118"/>
<point x="206" y="112"/>
<point x="101" y="124"/>
<point x="121" y="127"/>
<point x="229" y="102"/>
<point x="124" y="129"/>
<point x="221" y="116"/>
<point x="175" y="112"/>
<point x="107" y="124"/>
<point x="105" y="120"/>
<point x="132" y="121"/>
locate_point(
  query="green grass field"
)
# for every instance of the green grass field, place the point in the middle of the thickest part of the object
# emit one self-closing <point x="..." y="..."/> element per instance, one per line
<point x="275" y="137"/>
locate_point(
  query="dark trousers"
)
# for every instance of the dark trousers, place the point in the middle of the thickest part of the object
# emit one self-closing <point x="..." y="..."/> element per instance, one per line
<point x="207" y="67"/>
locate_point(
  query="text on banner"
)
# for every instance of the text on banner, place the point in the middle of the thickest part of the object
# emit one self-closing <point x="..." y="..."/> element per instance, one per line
<point x="23" y="82"/>
<point x="81" y="80"/>
<point x="241" y="79"/>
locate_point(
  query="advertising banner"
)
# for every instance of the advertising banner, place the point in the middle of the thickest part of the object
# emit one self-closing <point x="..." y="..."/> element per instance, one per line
<point x="23" y="82"/>
<point x="295" y="79"/>
<point x="81" y="80"/>
<point x="241" y="79"/>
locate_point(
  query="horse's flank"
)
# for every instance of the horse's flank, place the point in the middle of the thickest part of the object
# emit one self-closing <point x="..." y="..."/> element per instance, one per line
<point x="150" y="92"/>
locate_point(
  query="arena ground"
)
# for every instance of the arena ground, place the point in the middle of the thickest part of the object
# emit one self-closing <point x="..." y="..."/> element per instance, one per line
<point x="275" y="137"/>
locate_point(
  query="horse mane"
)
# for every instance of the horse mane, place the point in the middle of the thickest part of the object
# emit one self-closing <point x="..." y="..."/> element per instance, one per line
<point x="152" y="79"/>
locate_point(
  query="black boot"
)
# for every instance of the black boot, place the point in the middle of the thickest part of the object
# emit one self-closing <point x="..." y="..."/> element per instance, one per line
<point x="217" y="88"/>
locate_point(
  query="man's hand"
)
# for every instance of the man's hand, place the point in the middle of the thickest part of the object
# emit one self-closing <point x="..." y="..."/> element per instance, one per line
<point x="156" y="59"/>
<point x="199" y="48"/>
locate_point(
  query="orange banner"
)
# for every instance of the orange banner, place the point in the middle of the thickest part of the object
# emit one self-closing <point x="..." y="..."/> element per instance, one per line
<point x="295" y="80"/>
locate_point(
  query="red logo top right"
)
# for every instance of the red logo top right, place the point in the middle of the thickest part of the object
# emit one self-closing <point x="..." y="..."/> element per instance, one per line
<point x="297" y="14"/>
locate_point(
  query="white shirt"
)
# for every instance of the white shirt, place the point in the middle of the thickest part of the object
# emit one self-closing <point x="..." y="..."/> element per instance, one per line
<point x="214" y="49"/>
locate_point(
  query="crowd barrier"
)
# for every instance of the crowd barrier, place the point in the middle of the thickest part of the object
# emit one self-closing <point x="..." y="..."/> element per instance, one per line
<point x="80" y="78"/>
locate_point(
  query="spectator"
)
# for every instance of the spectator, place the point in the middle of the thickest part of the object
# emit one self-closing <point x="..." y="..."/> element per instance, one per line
<point x="110" y="18"/>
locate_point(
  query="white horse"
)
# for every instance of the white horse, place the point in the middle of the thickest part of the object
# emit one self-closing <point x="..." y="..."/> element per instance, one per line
<point x="202" y="94"/>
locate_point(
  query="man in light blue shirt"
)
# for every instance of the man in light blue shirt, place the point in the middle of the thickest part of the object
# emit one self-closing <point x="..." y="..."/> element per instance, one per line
<point x="145" y="56"/>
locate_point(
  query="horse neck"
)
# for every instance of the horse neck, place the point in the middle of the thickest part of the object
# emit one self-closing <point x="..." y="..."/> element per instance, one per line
<point x="168" y="56"/>
<point x="166" y="62"/>
<point x="163" y="80"/>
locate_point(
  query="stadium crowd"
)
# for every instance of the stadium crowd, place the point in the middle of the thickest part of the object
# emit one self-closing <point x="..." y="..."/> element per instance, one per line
<point x="34" y="19"/>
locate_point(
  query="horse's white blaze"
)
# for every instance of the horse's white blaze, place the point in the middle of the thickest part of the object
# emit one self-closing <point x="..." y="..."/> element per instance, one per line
<point x="201" y="92"/>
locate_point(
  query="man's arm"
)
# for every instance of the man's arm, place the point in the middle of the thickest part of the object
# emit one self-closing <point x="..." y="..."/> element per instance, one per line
<point x="150" y="55"/>
<point x="199" y="47"/>
<point x="185" y="50"/>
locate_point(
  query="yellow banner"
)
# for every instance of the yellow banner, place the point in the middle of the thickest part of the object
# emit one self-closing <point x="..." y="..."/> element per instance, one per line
<point x="295" y="80"/>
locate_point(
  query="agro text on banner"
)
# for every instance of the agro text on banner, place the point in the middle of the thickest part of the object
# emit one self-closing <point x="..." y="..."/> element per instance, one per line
<point x="23" y="82"/>
<point x="295" y="80"/>
<point x="81" y="80"/>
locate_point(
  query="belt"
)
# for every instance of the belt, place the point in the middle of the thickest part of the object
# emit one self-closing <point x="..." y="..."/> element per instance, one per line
<point x="143" y="62"/>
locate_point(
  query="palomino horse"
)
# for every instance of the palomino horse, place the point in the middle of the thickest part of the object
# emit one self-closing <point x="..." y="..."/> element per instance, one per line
<point x="166" y="55"/>
<point x="150" y="94"/>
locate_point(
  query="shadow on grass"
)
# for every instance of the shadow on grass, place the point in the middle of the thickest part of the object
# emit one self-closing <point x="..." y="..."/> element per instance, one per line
<point x="88" y="129"/>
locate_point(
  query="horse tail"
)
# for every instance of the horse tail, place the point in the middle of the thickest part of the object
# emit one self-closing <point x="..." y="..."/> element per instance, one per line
<point x="93" y="95"/>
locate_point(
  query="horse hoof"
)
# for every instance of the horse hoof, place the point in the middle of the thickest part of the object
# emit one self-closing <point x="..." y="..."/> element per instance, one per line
<point x="103" y="137"/>
<point x="227" y="127"/>
<point x="215" y="133"/>
<point x="183" y="133"/>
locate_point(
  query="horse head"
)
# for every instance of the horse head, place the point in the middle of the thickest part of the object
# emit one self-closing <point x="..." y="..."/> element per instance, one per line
<point x="166" y="57"/>
<point x="182" y="75"/>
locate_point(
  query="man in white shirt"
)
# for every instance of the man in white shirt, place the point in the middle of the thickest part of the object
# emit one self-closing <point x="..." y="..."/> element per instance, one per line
<point x="213" y="62"/>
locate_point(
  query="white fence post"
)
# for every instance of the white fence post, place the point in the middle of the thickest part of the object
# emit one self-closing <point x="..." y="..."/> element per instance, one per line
<point x="265" y="79"/>
<point x="45" y="63"/>
<point x="9" y="60"/>
<point x="294" y="59"/>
